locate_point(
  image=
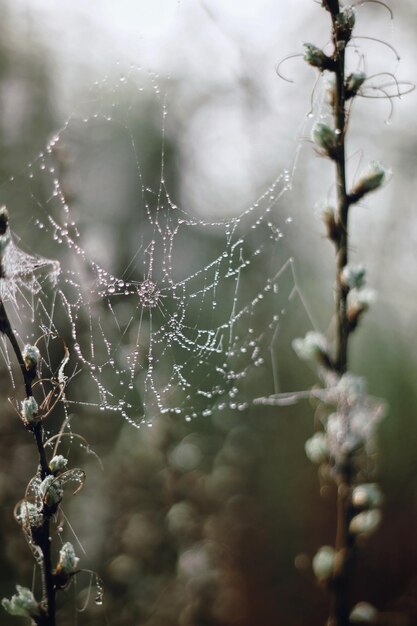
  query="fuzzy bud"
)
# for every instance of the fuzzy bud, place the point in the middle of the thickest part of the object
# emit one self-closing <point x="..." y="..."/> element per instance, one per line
<point x="353" y="276"/>
<point x="23" y="603"/>
<point x="365" y="523"/>
<point x="51" y="491"/>
<point x="68" y="562"/>
<point x="317" y="449"/>
<point x="323" y="562"/>
<point x="58" y="463"/>
<point x="325" y="138"/>
<point x="350" y="389"/>
<point x="312" y="347"/>
<point x="353" y="83"/>
<point x="29" y="514"/>
<point x="315" y="57"/>
<point x="31" y="357"/>
<point x="367" y="496"/>
<point x="30" y="410"/>
<point x="358" y="302"/>
<point x="363" y="613"/>
<point x="371" y="179"/>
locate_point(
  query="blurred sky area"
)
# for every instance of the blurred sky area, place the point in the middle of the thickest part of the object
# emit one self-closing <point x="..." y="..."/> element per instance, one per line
<point x="236" y="124"/>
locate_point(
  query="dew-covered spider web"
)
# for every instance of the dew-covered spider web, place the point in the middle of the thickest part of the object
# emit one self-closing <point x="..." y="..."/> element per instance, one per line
<point x="188" y="321"/>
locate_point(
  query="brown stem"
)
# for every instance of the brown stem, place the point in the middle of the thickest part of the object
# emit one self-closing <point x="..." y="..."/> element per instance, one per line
<point x="344" y="542"/>
<point x="42" y="535"/>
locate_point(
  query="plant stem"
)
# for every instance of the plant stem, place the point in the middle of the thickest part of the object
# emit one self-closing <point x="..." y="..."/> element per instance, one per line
<point x="42" y="534"/>
<point x="344" y="543"/>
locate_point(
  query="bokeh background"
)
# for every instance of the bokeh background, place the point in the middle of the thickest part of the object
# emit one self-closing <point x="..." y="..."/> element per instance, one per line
<point x="215" y="522"/>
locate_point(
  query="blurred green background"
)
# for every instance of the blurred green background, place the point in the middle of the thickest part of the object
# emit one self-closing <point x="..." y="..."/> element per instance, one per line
<point x="213" y="522"/>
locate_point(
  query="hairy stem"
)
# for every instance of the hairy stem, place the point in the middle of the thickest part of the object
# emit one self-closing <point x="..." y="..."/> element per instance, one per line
<point x="42" y="535"/>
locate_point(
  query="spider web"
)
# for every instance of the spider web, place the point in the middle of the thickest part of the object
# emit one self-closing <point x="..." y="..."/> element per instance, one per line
<point x="190" y="324"/>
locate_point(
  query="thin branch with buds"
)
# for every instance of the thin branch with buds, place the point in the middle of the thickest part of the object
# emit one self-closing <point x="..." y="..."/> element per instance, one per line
<point x="344" y="443"/>
<point x="46" y="488"/>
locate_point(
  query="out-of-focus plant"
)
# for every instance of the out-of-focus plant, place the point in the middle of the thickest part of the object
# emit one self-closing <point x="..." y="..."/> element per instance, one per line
<point x="344" y="446"/>
<point x="40" y="507"/>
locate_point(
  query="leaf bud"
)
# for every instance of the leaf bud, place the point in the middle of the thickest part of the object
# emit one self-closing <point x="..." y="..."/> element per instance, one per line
<point x="353" y="276"/>
<point x="22" y="603"/>
<point x="51" y="491"/>
<point x="325" y="138"/>
<point x="353" y="83"/>
<point x="363" y="613"/>
<point x="371" y="179"/>
<point x="317" y="449"/>
<point x="68" y="562"/>
<point x="323" y="562"/>
<point x="367" y="496"/>
<point x="312" y="347"/>
<point x="29" y="514"/>
<point x="365" y="523"/>
<point x="31" y="357"/>
<point x="358" y="302"/>
<point x="315" y="57"/>
<point x="30" y="410"/>
<point x="58" y="463"/>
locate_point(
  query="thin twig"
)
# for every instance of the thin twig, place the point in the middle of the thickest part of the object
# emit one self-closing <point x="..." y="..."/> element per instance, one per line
<point x="41" y="535"/>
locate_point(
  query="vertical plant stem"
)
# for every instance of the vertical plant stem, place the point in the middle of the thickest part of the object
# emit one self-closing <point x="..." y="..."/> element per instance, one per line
<point x="342" y="218"/>
<point x="344" y="544"/>
<point x="42" y="535"/>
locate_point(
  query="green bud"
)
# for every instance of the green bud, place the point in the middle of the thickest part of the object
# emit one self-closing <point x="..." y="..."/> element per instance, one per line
<point x="353" y="276"/>
<point x="31" y="357"/>
<point x="371" y="179"/>
<point x="353" y="83"/>
<point x="58" y="463"/>
<point x="68" y="562"/>
<point x="51" y="491"/>
<point x="23" y="603"/>
<point x="30" y="410"/>
<point x="325" y="138"/>
<point x="323" y="562"/>
<point x="29" y="514"/>
<point x="315" y="57"/>
<point x="317" y="449"/>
